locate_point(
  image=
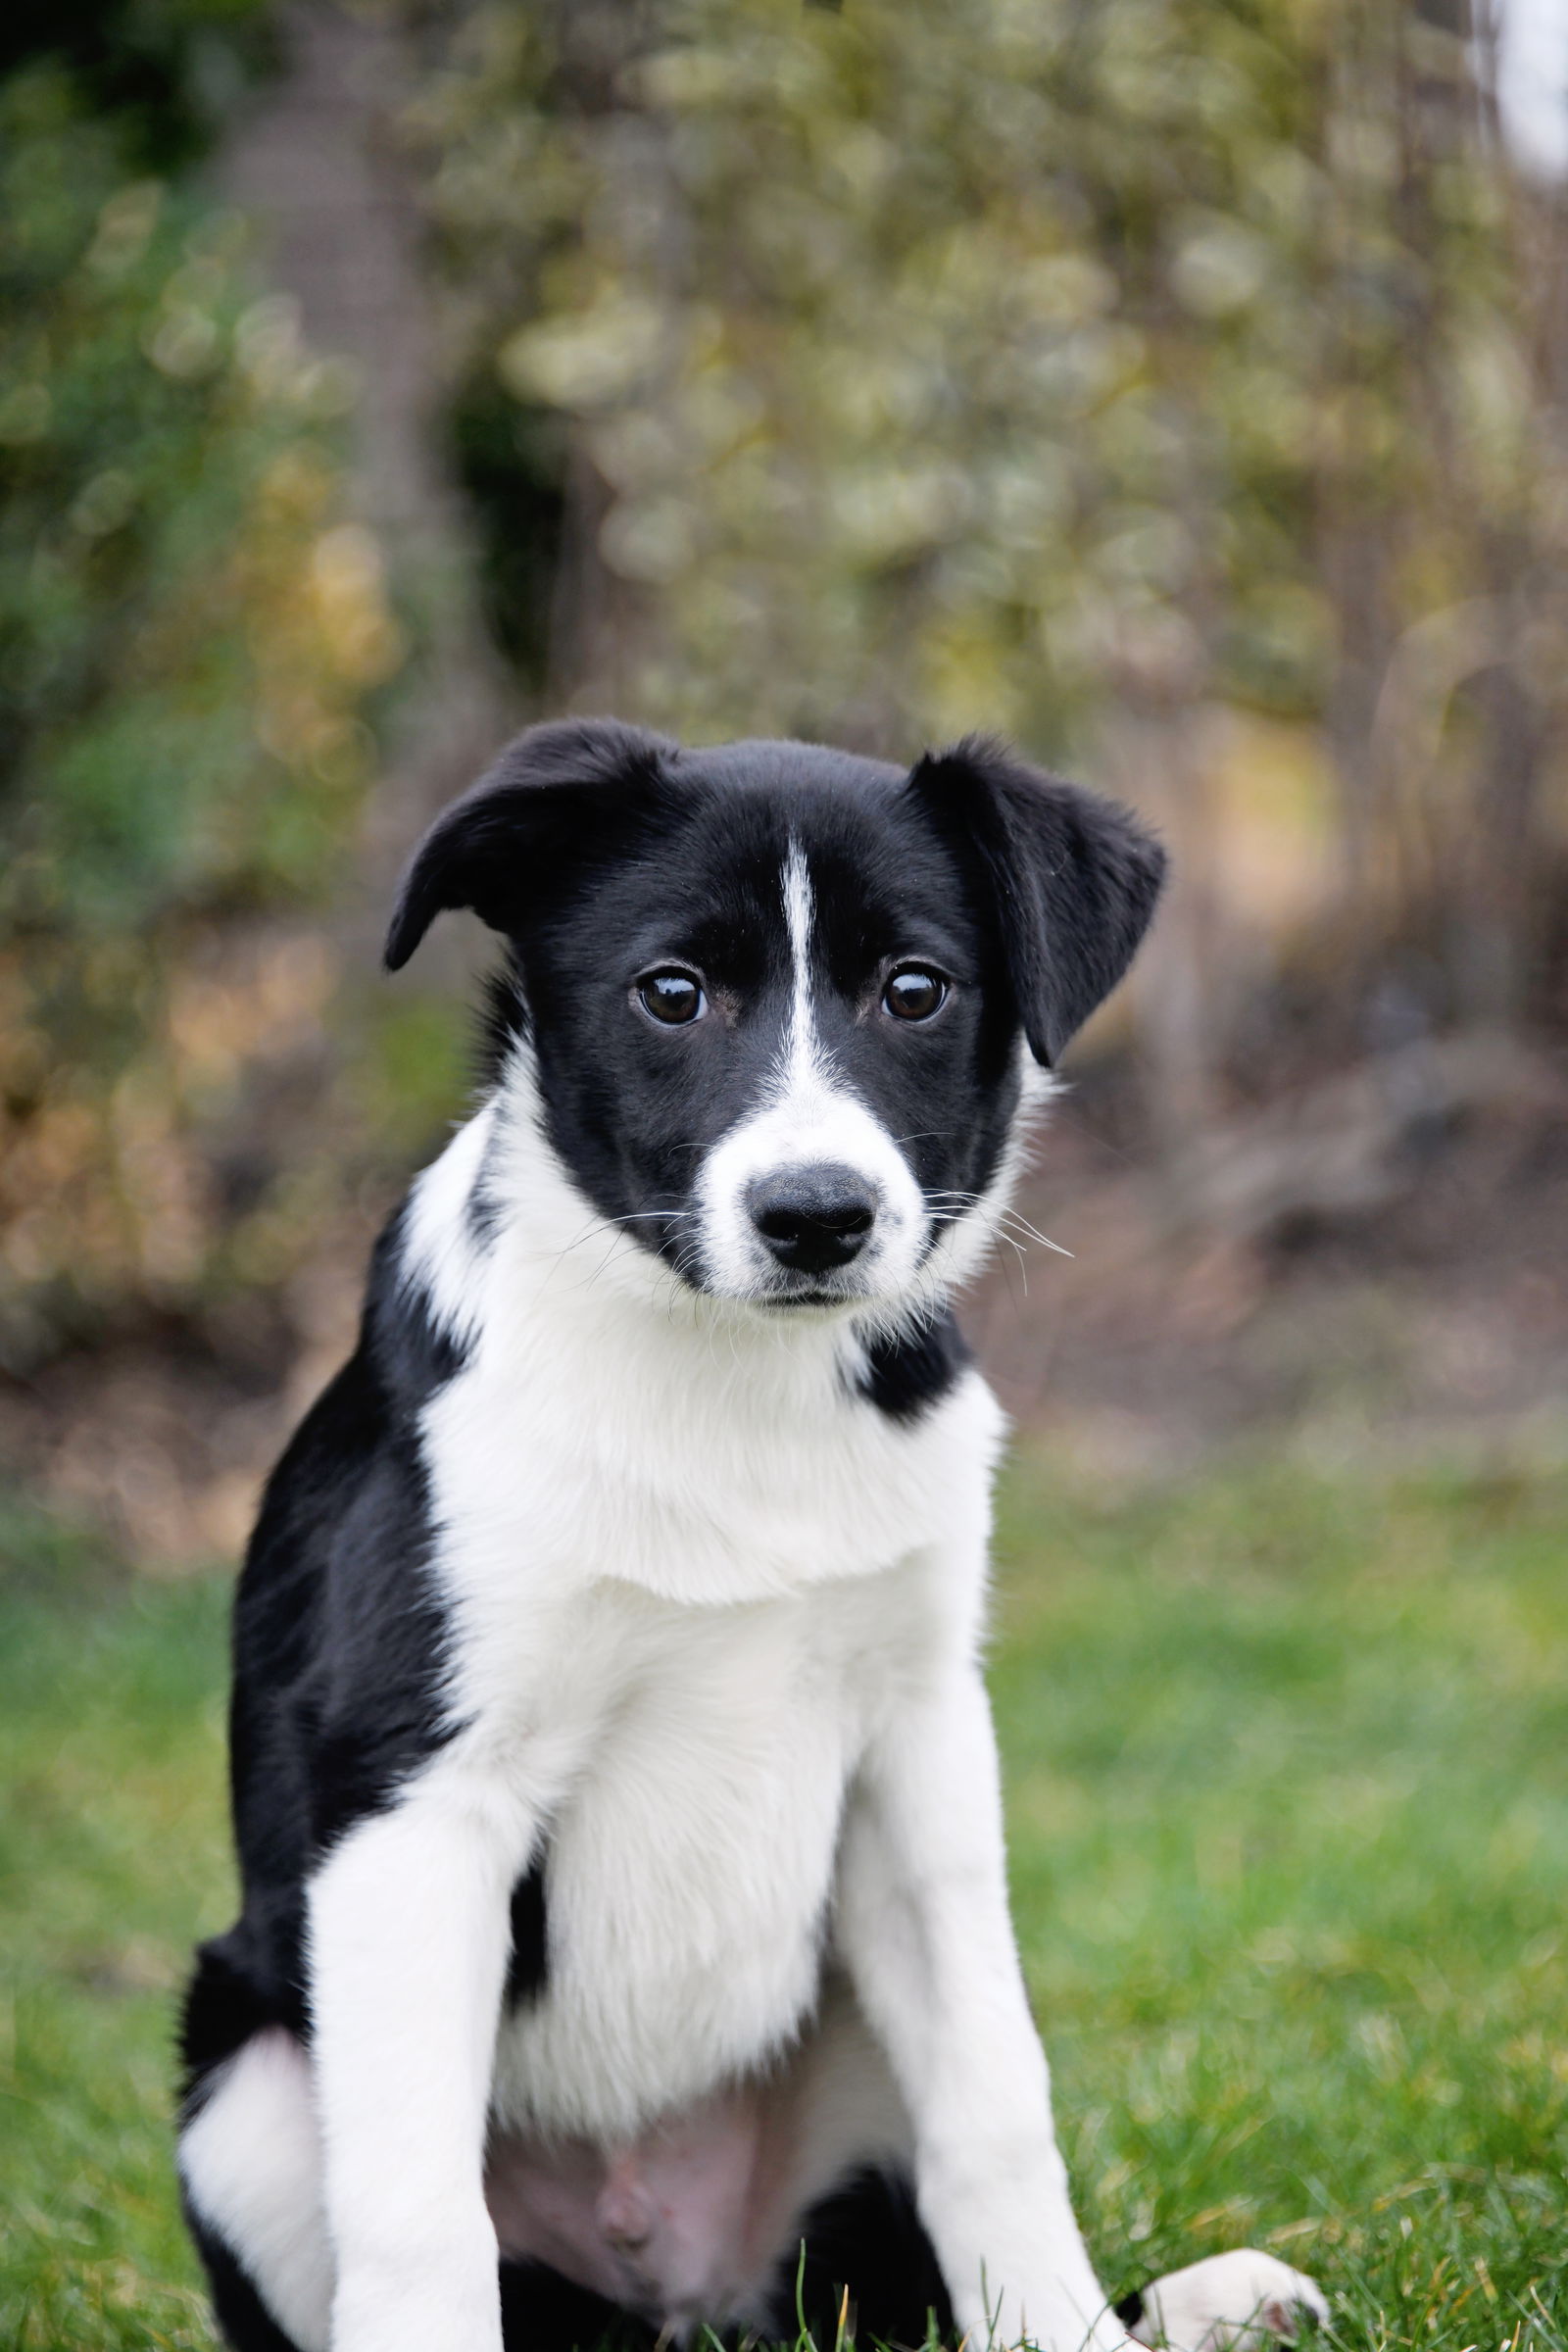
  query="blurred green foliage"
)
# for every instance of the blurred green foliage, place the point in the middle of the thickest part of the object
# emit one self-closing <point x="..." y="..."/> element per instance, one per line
<point x="933" y="363"/>
<point x="188" y="631"/>
<point x="165" y="71"/>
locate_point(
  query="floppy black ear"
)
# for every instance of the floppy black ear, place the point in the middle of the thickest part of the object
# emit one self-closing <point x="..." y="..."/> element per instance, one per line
<point x="1073" y="878"/>
<point x="497" y="847"/>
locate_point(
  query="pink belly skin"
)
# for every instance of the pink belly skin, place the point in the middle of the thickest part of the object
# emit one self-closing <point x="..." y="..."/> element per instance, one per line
<point x="686" y="2224"/>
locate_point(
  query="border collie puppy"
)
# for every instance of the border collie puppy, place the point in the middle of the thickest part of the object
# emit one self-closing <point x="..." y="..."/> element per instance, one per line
<point x="626" y="1945"/>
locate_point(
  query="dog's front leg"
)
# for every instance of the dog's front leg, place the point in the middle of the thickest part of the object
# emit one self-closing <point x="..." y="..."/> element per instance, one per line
<point x="408" y="1937"/>
<point x="926" y="1931"/>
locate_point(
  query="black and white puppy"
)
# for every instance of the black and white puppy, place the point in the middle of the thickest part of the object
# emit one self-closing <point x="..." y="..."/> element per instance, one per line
<point x="613" y="1781"/>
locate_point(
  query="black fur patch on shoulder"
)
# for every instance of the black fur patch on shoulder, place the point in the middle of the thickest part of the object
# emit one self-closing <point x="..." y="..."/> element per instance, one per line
<point x="528" y="1966"/>
<point x="906" y="1374"/>
<point x="1130" y="2309"/>
<point x="340" y="1654"/>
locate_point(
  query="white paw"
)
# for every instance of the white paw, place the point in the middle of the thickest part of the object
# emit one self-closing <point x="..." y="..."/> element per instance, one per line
<point x="1236" y="2302"/>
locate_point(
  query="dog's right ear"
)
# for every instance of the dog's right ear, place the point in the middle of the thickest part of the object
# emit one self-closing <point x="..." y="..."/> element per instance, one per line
<point x="499" y="846"/>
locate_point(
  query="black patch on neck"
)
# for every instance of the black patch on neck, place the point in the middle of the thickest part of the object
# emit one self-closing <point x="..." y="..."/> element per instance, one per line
<point x="503" y="1025"/>
<point x="482" y="1210"/>
<point x="907" y="1373"/>
<point x="482" y="1214"/>
<point x="503" y="1020"/>
<point x="1130" y="2309"/>
<point x="529" y="1963"/>
<point x="412" y="1352"/>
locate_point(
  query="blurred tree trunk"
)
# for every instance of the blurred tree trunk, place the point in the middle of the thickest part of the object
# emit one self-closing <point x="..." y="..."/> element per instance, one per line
<point x="1443" y="726"/>
<point x="602" y="627"/>
<point x="320" y="165"/>
<point x="1155" y="757"/>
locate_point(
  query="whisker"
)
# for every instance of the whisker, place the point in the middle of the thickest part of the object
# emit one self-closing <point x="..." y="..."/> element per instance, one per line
<point x="947" y="1203"/>
<point x="590" y="1279"/>
<point x="1013" y="1218"/>
<point x="598" y="1225"/>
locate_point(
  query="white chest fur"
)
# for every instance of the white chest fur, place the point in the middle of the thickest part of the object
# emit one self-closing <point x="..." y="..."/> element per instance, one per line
<point x="690" y="1860"/>
<point x="687" y="1566"/>
<point x="688" y="1754"/>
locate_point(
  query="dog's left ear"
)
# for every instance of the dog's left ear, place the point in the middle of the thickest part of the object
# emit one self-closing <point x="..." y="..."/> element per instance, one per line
<point x="1073" y="878"/>
<point x="565" y="789"/>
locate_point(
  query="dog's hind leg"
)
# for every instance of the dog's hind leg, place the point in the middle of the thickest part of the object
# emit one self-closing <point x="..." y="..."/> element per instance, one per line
<point x="542" y="2312"/>
<point x="250" y="2168"/>
<point x="244" y="2322"/>
<point x="864" y="2262"/>
<point x="251" y="2171"/>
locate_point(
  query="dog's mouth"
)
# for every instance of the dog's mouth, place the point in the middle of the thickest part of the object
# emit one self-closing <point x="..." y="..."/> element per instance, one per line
<point x="783" y="1292"/>
<point x="776" y="1292"/>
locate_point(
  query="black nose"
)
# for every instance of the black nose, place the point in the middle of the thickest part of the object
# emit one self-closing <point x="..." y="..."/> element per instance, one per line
<point x="813" y="1219"/>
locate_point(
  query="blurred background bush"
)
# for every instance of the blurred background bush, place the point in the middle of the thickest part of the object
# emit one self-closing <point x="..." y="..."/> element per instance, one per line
<point x="1176" y="386"/>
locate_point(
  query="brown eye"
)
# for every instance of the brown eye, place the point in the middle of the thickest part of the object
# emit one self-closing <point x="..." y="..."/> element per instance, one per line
<point x="915" y="995"/>
<point x="671" y="998"/>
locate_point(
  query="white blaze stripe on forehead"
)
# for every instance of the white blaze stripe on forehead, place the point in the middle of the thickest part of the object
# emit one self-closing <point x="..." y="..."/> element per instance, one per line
<point x="800" y="909"/>
<point x="806" y="1117"/>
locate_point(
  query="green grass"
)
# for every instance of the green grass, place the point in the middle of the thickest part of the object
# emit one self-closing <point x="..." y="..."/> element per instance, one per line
<point x="1288" y="1785"/>
<point x="1288" y="1782"/>
<point x="111" y="1860"/>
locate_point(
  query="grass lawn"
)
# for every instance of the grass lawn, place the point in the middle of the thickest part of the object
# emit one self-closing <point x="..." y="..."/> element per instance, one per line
<point x="1288" y="1779"/>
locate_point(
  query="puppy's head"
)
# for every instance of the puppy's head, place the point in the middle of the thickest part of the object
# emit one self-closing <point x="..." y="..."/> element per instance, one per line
<point x="773" y="994"/>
